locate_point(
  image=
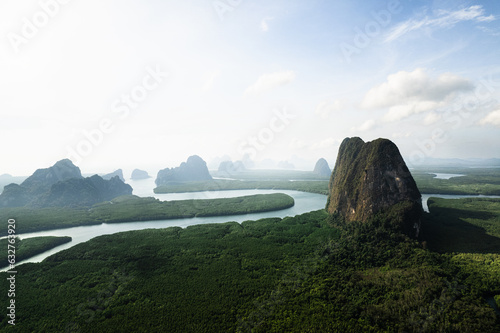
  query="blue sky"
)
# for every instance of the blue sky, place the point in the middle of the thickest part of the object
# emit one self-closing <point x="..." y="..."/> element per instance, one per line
<point x="145" y="84"/>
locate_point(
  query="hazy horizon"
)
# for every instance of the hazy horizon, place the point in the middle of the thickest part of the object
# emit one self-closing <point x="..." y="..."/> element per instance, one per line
<point x="127" y="84"/>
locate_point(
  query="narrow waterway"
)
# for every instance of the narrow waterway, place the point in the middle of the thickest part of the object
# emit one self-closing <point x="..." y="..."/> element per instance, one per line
<point x="304" y="202"/>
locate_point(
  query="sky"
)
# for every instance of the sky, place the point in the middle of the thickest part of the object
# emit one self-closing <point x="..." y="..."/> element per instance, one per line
<point x="146" y="84"/>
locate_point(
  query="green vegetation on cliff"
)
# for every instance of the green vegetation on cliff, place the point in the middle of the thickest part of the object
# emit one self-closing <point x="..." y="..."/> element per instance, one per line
<point x="132" y="208"/>
<point x="370" y="178"/>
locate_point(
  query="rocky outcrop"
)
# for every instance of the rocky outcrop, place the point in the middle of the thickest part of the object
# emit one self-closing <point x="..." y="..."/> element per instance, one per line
<point x="118" y="173"/>
<point x="40" y="182"/>
<point x="139" y="174"/>
<point x="372" y="177"/>
<point x="43" y="179"/>
<point x="322" y="168"/>
<point x="194" y="169"/>
<point x="83" y="192"/>
<point x="62" y="185"/>
<point x="15" y="195"/>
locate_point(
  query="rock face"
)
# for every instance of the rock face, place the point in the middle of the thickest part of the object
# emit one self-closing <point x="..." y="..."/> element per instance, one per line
<point x="83" y="192"/>
<point x="42" y="179"/>
<point x="139" y="174"/>
<point x="7" y="179"/>
<point x="322" y="168"/>
<point x="62" y="185"/>
<point x="194" y="169"/>
<point x="118" y="173"/>
<point x="372" y="177"/>
<point x="40" y="182"/>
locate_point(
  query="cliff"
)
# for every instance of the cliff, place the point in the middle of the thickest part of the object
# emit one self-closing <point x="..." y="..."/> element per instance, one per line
<point x="62" y="185"/>
<point x="372" y="177"/>
<point x="83" y="192"/>
<point x="194" y="169"/>
<point x="39" y="182"/>
<point x="118" y="173"/>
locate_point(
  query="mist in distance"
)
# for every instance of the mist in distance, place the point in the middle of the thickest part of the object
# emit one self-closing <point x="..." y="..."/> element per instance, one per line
<point x="146" y="85"/>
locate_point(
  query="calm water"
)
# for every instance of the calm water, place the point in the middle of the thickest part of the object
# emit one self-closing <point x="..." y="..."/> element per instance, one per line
<point x="446" y="175"/>
<point x="304" y="202"/>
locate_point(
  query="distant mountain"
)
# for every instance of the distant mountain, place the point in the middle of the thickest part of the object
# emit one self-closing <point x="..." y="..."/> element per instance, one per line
<point x="15" y="195"/>
<point x="43" y="179"/>
<point x="194" y="169"/>
<point x="285" y="165"/>
<point x="139" y="174"/>
<point x="118" y="173"/>
<point x="322" y="168"/>
<point x="7" y="179"/>
<point x="60" y="185"/>
<point x="83" y="192"/>
<point x="458" y="162"/>
<point x="231" y="167"/>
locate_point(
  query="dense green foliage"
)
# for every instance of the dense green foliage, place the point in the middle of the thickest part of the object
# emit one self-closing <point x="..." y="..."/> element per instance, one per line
<point x="470" y="225"/>
<point x="204" y="277"/>
<point x="309" y="273"/>
<point x="475" y="181"/>
<point x="320" y="187"/>
<point x="31" y="220"/>
<point x="377" y="280"/>
<point x="132" y="208"/>
<point x="29" y="247"/>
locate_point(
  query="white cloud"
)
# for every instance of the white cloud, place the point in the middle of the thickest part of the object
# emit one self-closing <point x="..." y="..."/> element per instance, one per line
<point x="398" y="135"/>
<point x="326" y="108"/>
<point x="297" y="144"/>
<point x="408" y="93"/>
<point x="366" y="126"/>
<point x="432" y="118"/>
<point x="264" y="24"/>
<point x="441" y="19"/>
<point x="493" y="118"/>
<point x="489" y="31"/>
<point x="327" y="143"/>
<point x="208" y="80"/>
<point x="268" y="82"/>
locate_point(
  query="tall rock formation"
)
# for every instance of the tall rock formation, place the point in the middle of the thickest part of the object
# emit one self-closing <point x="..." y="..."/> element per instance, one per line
<point x="113" y="174"/>
<point x="43" y="179"/>
<point x="194" y="169"/>
<point x="322" y="168"/>
<point x="139" y="174"/>
<point x="39" y="182"/>
<point x="372" y="177"/>
<point x="62" y="185"/>
<point x="78" y="192"/>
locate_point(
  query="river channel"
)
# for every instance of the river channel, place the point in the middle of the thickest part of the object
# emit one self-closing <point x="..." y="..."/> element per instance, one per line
<point x="304" y="202"/>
